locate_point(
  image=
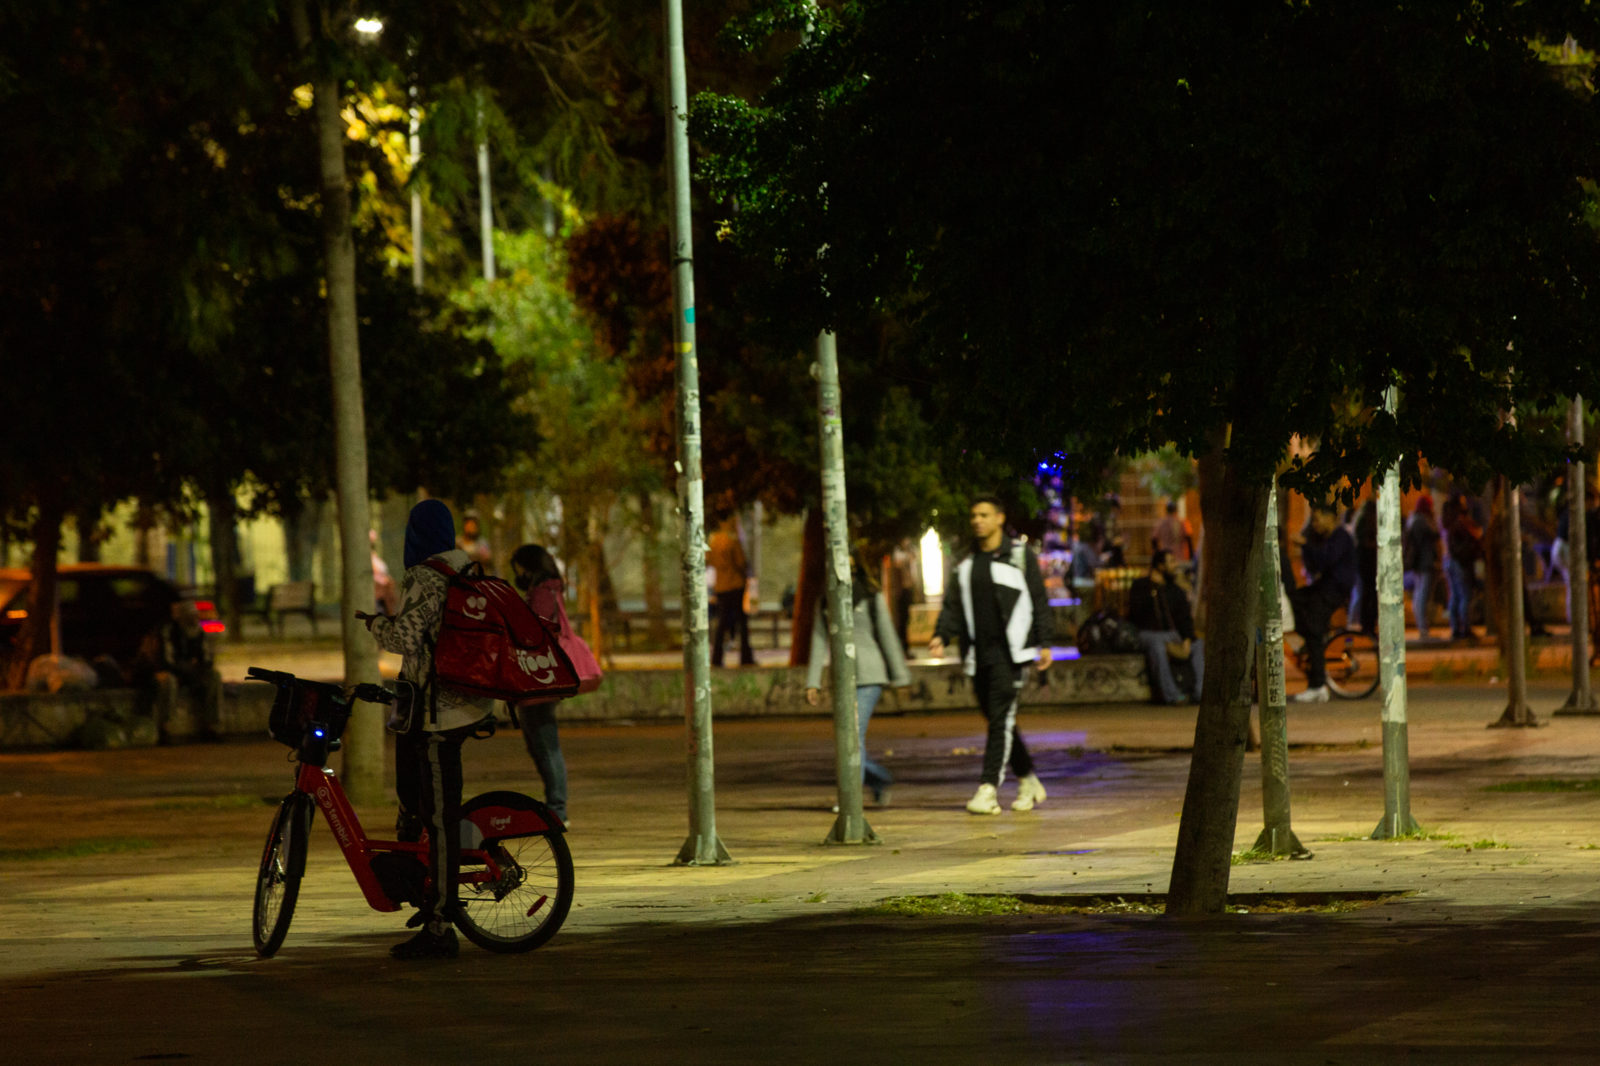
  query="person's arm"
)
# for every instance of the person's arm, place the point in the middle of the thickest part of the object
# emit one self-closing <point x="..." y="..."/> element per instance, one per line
<point x="411" y="629"/>
<point x="894" y="657"/>
<point x="1043" y="630"/>
<point x="951" y="625"/>
<point x="819" y="653"/>
<point x="1182" y="617"/>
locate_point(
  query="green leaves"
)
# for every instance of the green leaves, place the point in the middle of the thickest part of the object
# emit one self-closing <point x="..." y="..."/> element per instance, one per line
<point x="1136" y="224"/>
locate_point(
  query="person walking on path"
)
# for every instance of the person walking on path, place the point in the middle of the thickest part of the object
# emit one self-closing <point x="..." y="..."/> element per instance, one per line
<point x="427" y="757"/>
<point x="1328" y="553"/>
<point x="1419" y="551"/>
<point x="1173" y="535"/>
<point x="536" y="575"/>
<point x="725" y="553"/>
<point x="1158" y="606"/>
<point x="1464" y="548"/>
<point x="879" y="660"/>
<point x="995" y="607"/>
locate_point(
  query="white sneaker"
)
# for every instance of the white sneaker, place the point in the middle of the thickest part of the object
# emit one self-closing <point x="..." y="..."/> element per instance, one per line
<point x="1320" y="694"/>
<point x="1029" y="792"/>
<point x="984" y="801"/>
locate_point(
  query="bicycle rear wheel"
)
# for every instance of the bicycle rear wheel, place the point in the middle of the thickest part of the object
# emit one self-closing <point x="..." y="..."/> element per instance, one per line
<point x="283" y="864"/>
<point x="1352" y="659"/>
<point x="525" y="906"/>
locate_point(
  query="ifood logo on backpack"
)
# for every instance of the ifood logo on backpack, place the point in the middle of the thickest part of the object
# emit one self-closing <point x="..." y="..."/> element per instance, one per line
<point x="531" y="664"/>
<point x="490" y="643"/>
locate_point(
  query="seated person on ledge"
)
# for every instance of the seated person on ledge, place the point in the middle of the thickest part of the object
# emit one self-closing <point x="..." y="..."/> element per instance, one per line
<point x="1328" y="553"/>
<point x="1159" y="607"/>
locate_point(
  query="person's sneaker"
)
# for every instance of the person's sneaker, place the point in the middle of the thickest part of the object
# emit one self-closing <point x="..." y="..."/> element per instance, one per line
<point x="984" y="801"/>
<point x="1320" y="694"/>
<point x="1030" y="791"/>
<point x="428" y="945"/>
<point x="880" y="795"/>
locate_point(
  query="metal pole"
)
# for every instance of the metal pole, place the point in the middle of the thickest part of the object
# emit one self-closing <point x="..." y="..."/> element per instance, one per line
<point x="485" y="209"/>
<point x="1517" y="712"/>
<point x="703" y="848"/>
<point x="1397" y="820"/>
<point x="851" y="826"/>
<point x="1582" y="700"/>
<point x="1277" y="837"/>
<point x="414" y="150"/>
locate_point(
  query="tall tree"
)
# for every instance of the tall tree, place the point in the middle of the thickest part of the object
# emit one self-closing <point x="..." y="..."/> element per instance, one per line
<point x="1115" y="227"/>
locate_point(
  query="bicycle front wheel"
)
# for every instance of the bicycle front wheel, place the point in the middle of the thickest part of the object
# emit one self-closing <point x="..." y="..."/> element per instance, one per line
<point x="1352" y="660"/>
<point x="525" y="905"/>
<point x="283" y="864"/>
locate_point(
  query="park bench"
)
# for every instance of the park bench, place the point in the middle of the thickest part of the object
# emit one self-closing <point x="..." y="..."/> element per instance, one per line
<point x="290" y="597"/>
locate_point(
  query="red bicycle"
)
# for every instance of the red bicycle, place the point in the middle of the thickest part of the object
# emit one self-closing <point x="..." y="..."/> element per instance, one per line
<point x="516" y="870"/>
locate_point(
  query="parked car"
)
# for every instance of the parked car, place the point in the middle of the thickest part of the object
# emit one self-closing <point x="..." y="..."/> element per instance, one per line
<point x="105" y="610"/>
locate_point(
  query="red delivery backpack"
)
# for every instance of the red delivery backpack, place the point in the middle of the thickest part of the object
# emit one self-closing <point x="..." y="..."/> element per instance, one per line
<point x="577" y="651"/>
<point x="492" y="644"/>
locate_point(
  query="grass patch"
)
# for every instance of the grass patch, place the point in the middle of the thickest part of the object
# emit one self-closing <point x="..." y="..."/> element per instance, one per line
<point x="1421" y="834"/>
<point x="233" y="801"/>
<point x="962" y="905"/>
<point x="1255" y="855"/>
<point x="1480" y="845"/>
<point x="77" y="850"/>
<point x="950" y="905"/>
<point x="1548" y="784"/>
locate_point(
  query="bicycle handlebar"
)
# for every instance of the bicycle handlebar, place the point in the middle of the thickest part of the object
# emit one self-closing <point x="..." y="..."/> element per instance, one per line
<point x="369" y="693"/>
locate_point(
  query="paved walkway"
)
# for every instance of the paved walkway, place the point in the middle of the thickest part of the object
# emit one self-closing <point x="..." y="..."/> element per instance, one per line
<point x="1488" y="956"/>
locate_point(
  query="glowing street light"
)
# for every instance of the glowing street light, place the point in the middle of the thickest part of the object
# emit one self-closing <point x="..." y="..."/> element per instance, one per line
<point x="371" y="27"/>
<point x="932" y="565"/>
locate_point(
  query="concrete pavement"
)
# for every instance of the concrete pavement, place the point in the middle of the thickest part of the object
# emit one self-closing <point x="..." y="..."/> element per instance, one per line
<point x="1487" y="956"/>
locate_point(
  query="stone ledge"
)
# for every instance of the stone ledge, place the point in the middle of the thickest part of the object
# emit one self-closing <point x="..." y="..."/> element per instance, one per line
<point x="107" y="718"/>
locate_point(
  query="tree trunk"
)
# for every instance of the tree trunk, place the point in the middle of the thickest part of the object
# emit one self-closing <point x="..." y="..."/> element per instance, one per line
<point x="87" y="520"/>
<point x="807" y="589"/>
<point x="1234" y="513"/>
<point x="595" y="559"/>
<point x="225" y="559"/>
<point x="655" y="604"/>
<point x="40" y="634"/>
<point x="364" y="738"/>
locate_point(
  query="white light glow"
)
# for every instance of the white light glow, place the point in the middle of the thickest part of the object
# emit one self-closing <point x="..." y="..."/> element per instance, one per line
<point x="932" y="565"/>
<point x="372" y="26"/>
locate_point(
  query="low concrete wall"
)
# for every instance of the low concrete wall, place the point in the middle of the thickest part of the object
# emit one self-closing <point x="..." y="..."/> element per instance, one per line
<point x="107" y="718"/>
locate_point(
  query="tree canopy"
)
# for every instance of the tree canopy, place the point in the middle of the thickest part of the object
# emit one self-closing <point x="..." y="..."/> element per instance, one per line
<point x="1115" y="227"/>
<point x="1160" y="221"/>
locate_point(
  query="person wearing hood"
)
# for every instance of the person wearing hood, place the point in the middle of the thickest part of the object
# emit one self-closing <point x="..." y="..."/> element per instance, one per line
<point x="428" y="756"/>
<point x="879" y="659"/>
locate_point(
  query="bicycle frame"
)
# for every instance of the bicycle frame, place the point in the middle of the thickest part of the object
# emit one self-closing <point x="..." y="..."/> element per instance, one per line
<point x="324" y="788"/>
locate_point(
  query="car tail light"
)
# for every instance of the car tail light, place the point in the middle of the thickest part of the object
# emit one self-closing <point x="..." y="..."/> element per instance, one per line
<point x="214" y="627"/>
<point x="204" y="605"/>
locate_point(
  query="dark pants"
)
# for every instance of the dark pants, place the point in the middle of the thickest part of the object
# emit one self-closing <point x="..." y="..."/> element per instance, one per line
<point x="998" y="687"/>
<point x="1314" y="605"/>
<point x="539" y="734"/>
<point x="731" y="619"/>
<point x="427" y="779"/>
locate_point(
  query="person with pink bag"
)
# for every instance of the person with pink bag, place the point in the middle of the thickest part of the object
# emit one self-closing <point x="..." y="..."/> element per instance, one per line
<point x="536" y="575"/>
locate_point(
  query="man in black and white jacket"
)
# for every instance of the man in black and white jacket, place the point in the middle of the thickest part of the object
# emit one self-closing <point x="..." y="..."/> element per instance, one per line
<point x="996" y="609"/>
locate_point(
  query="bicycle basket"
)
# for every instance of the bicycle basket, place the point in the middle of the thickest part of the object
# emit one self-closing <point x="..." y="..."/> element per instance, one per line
<point x="299" y="707"/>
